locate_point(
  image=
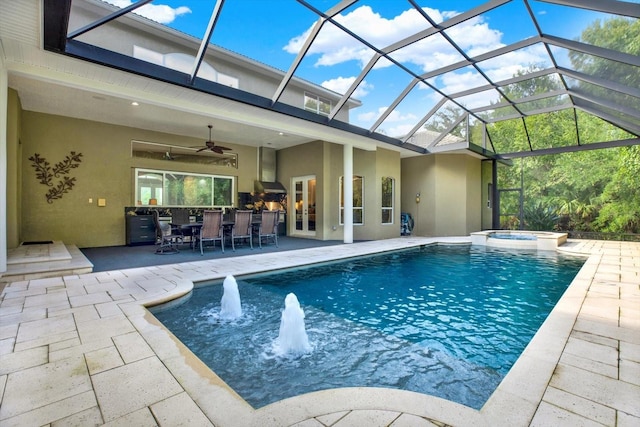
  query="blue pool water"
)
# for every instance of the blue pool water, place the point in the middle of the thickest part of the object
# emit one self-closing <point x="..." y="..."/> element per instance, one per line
<point x="445" y="321"/>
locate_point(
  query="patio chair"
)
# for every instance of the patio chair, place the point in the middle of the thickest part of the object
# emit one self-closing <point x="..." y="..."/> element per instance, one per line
<point x="180" y="216"/>
<point x="269" y="226"/>
<point x="165" y="237"/>
<point x="242" y="228"/>
<point x="212" y="229"/>
<point x="179" y="223"/>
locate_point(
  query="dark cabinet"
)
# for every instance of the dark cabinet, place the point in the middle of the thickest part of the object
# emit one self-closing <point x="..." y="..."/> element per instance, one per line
<point x="140" y="230"/>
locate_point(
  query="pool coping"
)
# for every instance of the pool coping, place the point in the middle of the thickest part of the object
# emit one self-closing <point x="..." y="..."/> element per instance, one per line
<point x="116" y="337"/>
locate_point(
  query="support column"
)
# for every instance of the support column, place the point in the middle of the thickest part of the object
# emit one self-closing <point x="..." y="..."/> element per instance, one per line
<point x="495" y="196"/>
<point x="4" y="95"/>
<point x="347" y="192"/>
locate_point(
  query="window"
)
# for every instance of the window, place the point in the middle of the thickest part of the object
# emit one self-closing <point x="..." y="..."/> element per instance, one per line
<point x="358" y="200"/>
<point x="387" y="199"/>
<point x="317" y="104"/>
<point x="166" y="188"/>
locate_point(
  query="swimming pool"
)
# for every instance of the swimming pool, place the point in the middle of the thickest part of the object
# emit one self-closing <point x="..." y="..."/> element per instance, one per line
<point x="446" y="321"/>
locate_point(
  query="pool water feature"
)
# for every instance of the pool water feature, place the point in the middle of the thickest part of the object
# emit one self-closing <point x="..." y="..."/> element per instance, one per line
<point x="292" y="338"/>
<point x="230" y="303"/>
<point x="445" y="321"/>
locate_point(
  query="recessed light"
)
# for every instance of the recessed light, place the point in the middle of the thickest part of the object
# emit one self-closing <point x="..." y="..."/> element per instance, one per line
<point x="281" y="133"/>
<point x="135" y="104"/>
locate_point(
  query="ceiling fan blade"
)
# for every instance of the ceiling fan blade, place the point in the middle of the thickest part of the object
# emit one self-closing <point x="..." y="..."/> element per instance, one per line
<point x="202" y="149"/>
<point x="217" y="149"/>
<point x="222" y="148"/>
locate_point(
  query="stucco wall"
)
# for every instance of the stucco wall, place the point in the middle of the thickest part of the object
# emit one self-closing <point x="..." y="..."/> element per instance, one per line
<point x="450" y="185"/>
<point x="106" y="171"/>
<point x="14" y="170"/>
<point x="418" y="176"/>
<point x="302" y="160"/>
<point x="450" y="194"/>
<point x="325" y="161"/>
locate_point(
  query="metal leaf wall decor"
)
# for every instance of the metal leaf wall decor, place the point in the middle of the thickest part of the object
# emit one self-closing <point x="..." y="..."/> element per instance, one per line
<point x="45" y="174"/>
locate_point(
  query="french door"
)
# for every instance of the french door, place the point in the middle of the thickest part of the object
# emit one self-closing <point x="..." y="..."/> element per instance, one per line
<point x="304" y="208"/>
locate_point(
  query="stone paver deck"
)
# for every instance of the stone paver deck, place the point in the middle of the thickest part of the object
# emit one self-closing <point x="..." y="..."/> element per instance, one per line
<point x="82" y="350"/>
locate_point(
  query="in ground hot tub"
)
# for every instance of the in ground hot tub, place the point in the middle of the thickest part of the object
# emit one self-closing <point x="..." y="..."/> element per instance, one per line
<point x="540" y="240"/>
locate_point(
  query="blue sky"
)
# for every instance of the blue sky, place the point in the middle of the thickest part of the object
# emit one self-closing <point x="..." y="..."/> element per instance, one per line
<point x="273" y="31"/>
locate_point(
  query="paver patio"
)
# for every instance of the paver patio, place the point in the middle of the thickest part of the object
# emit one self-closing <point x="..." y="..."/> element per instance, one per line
<point x="82" y="350"/>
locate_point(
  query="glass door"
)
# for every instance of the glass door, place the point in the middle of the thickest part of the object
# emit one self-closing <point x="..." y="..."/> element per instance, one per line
<point x="304" y="208"/>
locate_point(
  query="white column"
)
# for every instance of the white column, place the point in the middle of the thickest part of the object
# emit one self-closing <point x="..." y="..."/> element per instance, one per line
<point x="347" y="192"/>
<point x="4" y="95"/>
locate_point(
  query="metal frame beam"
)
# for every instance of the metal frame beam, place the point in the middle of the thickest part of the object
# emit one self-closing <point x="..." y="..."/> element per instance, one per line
<point x="612" y="55"/>
<point x="56" y="17"/>
<point x="607" y="6"/>
<point x="571" y="148"/>
<point x="215" y="14"/>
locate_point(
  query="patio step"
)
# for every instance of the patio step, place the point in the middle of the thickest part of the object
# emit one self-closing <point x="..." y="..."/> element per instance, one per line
<point x="38" y="261"/>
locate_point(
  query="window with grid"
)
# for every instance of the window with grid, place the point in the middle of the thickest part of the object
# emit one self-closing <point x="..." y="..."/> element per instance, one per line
<point x="317" y="104"/>
<point x="388" y="185"/>
<point x="358" y="200"/>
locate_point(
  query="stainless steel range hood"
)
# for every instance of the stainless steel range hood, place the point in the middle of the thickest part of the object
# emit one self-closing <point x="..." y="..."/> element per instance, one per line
<point x="267" y="172"/>
<point x="269" y="187"/>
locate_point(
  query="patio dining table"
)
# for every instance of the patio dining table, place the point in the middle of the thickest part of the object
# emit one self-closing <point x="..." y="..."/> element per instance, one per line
<point x="192" y="229"/>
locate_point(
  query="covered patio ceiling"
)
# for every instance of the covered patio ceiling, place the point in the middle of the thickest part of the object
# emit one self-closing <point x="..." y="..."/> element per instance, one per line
<point x="428" y="76"/>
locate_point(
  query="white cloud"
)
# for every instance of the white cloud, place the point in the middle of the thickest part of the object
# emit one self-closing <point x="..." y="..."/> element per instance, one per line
<point x="457" y="82"/>
<point x="399" y="131"/>
<point x="368" y="117"/>
<point x="394" y="117"/>
<point x="156" y="12"/>
<point x="333" y="46"/>
<point x="342" y="84"/>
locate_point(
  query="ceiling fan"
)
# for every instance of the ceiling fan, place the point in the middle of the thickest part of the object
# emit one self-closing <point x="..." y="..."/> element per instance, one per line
<point x="168" y="155"/>
<point x="210" y="145"/>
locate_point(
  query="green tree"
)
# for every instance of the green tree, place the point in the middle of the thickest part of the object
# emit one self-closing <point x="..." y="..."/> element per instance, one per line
<point x="591" y="190"/>
<point x="620" y="211"/>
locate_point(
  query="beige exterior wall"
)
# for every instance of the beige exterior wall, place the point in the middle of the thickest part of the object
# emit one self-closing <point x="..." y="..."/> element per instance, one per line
<point x="325" y="161"/>
<point x="106" y="171"/>
<point x="450" y="185"/>
<point x="14" y="170"/>
<point x="303" y="160"/>
<point x="450" y="194"/>
<point x="418" y="176"/>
